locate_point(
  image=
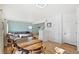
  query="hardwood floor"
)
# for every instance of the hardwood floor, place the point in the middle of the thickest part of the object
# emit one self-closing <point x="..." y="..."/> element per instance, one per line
<point x="50" y="47"/>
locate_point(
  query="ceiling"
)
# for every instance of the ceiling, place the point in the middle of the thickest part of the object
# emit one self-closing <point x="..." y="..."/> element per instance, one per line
<point x="33" y="14"/>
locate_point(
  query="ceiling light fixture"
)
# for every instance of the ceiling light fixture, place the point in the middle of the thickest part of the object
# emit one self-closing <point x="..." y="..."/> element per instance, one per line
<point x="41" y="5"/>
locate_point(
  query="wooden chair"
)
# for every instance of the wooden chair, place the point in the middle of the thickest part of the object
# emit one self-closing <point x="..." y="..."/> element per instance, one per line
<point x="19" y="49"/>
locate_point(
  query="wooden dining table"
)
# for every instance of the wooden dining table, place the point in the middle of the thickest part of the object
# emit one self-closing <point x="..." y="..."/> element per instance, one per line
<point x="31" y="45"/>
<point x="28" y="43"/>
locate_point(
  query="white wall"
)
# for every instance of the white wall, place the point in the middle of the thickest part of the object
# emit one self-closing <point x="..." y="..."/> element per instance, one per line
<point x="77" y="29"/>
<point x="2" y="30"/>
<point x="64" y="19"/>
<point x="53" y="33"/>
<point x="1" y="35"/>
<point x="1" y="6"/>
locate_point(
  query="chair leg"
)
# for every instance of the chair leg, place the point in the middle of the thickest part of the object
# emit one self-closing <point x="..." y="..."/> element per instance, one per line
<point x="43" y="49"/>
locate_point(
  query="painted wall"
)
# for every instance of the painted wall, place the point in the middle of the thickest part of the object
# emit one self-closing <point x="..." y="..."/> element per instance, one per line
<point x="77" y="29"/>
<point x="53" y="33"/>
<point x="64" y="25"/>
<point x="1" y="6"/>
<point x="14" y="26"/>
<point x="1" y="36"/>
<point x="36" y="28"/>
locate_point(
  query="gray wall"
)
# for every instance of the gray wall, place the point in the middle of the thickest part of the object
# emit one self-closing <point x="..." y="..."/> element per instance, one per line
<point x="14" y="26"/>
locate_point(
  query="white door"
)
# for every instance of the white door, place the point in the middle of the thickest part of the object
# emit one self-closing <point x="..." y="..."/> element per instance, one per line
<point x="69" y="29"/>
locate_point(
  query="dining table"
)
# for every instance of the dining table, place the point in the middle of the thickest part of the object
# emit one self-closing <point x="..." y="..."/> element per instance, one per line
<point x="32" y="45"/>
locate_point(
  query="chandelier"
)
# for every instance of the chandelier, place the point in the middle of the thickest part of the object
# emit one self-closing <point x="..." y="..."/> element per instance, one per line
<point x="41" y="5"/>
